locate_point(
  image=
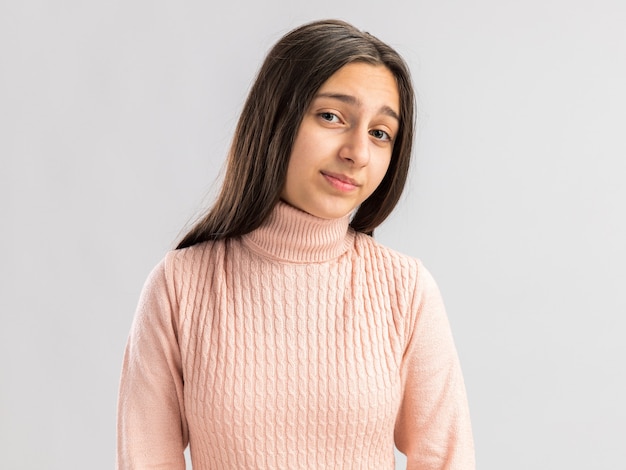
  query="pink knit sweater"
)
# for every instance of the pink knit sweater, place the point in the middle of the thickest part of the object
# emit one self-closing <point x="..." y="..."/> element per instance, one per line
<point x="299" y="345"/>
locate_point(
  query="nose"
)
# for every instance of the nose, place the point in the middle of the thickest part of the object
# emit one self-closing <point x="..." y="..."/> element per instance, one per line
<point x="355" y="147"/>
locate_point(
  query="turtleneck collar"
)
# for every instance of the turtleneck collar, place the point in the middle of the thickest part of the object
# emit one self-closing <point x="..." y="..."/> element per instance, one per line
<point x="289" y="234"/>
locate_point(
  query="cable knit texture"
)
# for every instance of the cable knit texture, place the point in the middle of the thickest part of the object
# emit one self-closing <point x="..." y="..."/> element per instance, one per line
<point x="299" y="345"/>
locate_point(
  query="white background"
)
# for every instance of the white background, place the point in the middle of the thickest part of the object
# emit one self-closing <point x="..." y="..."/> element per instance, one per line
<point x="115" y="118"/>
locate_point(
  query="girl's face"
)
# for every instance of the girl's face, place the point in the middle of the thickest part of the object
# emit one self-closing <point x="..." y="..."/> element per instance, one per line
<point x="343" y="147"/>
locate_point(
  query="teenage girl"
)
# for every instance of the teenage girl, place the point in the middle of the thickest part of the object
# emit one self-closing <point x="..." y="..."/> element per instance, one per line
<point x="279" y="334"/>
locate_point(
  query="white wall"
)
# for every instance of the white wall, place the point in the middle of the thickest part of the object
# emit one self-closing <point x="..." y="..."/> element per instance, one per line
<point x="114" y="121"/>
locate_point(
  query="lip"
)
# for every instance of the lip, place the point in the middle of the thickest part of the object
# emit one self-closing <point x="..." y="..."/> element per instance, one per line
<point x="340" y="182"/>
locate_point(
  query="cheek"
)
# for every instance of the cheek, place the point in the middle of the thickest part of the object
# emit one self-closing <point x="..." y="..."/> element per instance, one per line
<point x="300" y="151"/>
<point x="381" y="170"/>
<point x="376" y="177"/>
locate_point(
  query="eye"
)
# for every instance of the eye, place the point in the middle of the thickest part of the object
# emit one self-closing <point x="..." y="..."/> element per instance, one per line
<point x="330" y="117"/>
<point x="380" y="135"/>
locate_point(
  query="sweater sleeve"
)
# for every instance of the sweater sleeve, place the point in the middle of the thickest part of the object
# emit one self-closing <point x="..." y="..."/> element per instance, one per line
<point x="433" y="425"/>
<point x="151" y="426"/>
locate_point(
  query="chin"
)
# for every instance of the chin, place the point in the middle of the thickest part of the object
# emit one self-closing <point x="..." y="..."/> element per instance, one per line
<point x="334" y="213"/>
<point x="323" y="211"/>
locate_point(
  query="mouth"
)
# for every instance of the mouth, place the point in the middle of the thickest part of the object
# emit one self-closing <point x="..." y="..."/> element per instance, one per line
<point x="340" y="182"/>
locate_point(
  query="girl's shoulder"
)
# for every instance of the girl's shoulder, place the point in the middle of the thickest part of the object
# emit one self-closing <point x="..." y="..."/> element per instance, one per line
<point x="404" y="269"/>
<point x="185" y="264"/>
<point x="369" y="248"/>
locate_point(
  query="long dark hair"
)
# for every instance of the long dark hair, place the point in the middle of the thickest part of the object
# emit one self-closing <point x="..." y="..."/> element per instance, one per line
<point x="293" y="71"/>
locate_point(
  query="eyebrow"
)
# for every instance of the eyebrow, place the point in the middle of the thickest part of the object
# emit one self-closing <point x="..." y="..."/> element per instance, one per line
<point x="349" y="99"/>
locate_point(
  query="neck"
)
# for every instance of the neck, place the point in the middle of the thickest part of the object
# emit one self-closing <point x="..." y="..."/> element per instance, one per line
<point x="289" y="234"/>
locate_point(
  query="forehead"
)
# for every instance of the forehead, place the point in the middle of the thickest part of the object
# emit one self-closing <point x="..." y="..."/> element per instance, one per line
<point x="369" y="85"/>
